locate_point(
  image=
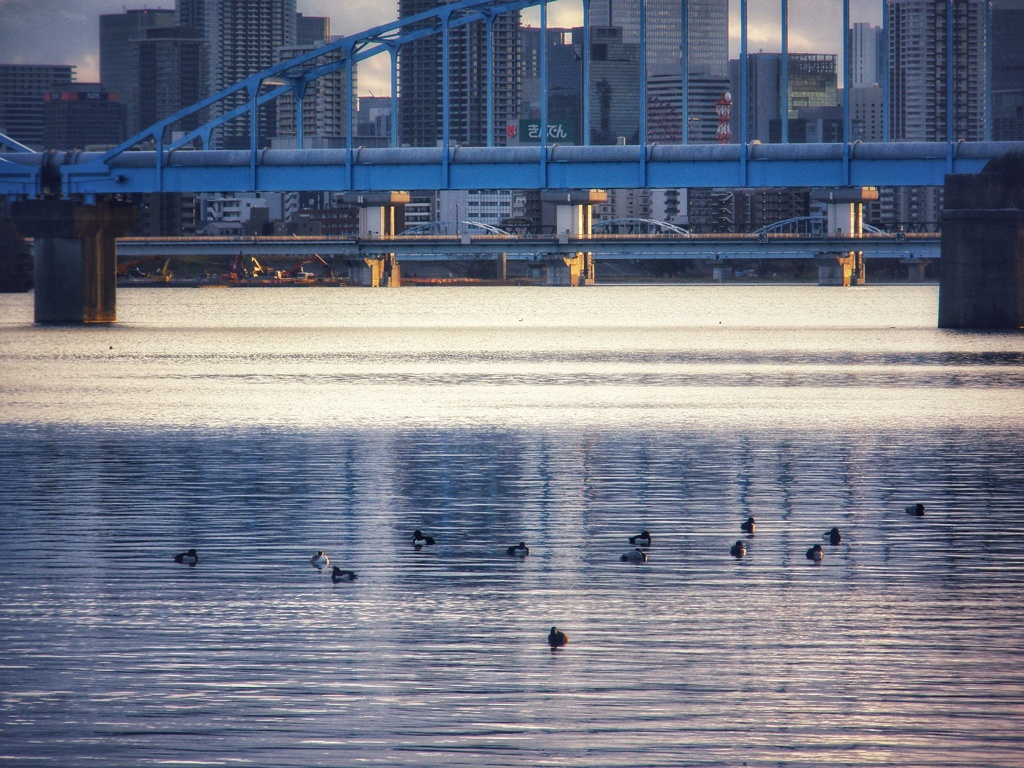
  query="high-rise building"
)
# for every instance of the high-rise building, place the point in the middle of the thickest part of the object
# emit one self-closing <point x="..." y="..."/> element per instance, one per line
<point x="918" y="105"/>
<point x="82" y="115"/>
<point x="373" y="121"/>
<point x="159" y="69"/>
<point x="22" y="87"/>
<point x="312" y="30"/>
<point x="867" y="111"/>
<point x="118" y="72"/>
<point x="614" y="87"/>
<point x="707" y="38"/>
<point x="1007" y="70"/>
<point x="812" y="83"/>
<point x="917" y="70"/>
<point x="420" y="87"/>
<point x="867" y="55"/>
<point x="170" y="72"/>
<point x="323" y="104"/>
<point x="867" y="71"/>
<point x="664" y="116"/>
<point x="243" y="37"/>
<point x="565" y="80"/>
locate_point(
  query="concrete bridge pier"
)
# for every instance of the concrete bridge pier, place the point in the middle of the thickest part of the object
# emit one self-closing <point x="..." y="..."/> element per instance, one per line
<point x="380" y="215"/>
<point x="573" y="220"/>
<point x="915" y="269"/>
<point x="844" y="208"/>
<point x="381" y="271"/>
<point x="74" y="257"/>
<point x="567" y="270"/>
<point x="981" y="271"/>
<point x="587" y="271"/>
<point x="843" y="269"/>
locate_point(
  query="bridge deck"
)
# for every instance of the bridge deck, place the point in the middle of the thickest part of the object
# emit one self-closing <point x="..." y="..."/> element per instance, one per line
<point x="434" y="248"/>
<point x="556" y="167"/>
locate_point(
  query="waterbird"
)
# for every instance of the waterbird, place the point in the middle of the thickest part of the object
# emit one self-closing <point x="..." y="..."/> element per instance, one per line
<point x="634" y="556"/>
<point x="319" y="560"/>
<point x="915" y="509"/>
<point x="739" y="549"/>
<point x="557" y="638"/>
<point x="815" y="553"/>
<point x="418" y="539"/>
<point x="188" y="558"/>
<point x="339" y="575"/>
<point x="519" y="551"/>
<point x="643" y="540"/>
<point x="747" y="526"/>
<point x="833" y="536"/>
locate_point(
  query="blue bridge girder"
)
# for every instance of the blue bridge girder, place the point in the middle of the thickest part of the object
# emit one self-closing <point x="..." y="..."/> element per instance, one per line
<point x="151" y="162"/>
<point x="555" y="167"/>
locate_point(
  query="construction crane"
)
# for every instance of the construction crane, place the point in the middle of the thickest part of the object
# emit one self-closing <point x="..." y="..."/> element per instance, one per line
<point x="301" y="274"/>
<point x="236" y="269"/>
<point x="164" y="275"/>
<point x="131" y="268"/>
<point x="258" y="270"/>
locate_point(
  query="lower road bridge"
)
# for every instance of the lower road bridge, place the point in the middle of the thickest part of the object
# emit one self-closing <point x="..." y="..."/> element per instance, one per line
<point x="567" y="259"/>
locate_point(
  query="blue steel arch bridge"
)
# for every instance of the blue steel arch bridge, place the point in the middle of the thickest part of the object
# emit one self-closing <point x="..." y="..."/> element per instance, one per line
<point x="160" y="160"/>
<point x="156" y="161"/>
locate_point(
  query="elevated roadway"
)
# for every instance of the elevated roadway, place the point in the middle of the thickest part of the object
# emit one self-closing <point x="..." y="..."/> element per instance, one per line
<point x="535" y="248"/>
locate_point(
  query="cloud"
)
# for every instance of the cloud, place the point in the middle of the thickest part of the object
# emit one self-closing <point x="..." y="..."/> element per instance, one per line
<point x="49" y="31"/>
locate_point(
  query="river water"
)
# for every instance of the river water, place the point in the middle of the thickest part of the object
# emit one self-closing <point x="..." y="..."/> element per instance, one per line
<point x="260" y="425"/>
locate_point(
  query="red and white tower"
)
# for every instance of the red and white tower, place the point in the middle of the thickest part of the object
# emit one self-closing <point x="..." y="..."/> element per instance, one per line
<point x="723" y="108"/>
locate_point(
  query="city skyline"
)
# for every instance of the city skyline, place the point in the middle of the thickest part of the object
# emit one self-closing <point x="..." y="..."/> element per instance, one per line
<point x="26" y="28"/>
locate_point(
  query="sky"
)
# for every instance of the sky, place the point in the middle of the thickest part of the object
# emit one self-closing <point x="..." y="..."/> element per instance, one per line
<point x="67" y="31"/>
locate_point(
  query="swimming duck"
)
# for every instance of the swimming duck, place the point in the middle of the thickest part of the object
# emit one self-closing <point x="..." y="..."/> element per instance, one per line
<point x="519" y="551"/>
<point x="739" y="549"/>
<point x="339" y="575"/>
<point x="915" y="509"/>
<point x="419" y="540"/>
<point x="188" y="558"/>
<point x="815" y="553"/>
<point x="319" y="560"/>
<point x="643" y="540"/>
<point x="833" y="536"/>
<point x="635" y="556"/>
<point x="748" y="526"/>
<point x="557" y="638"/>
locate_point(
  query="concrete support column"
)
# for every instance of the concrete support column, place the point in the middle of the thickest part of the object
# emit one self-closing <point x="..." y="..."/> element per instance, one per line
<point x="366" y="273"/>
<point x="566" y="271"/>
<point x="536" y="270"/>
<point x="379" y="271"/>
<point x="915" y="269"/>
<point x="75" y="257"/>
<point x="573" y="221"/>
<point x="836" y="268"/>
<point x="392" y="272"/>
<point x="378" y="220"/>
<point x="587" y="274"/>
<point x="845" y="215"/>
<point x="981" y="271"/>
<point x="859" y="276"/>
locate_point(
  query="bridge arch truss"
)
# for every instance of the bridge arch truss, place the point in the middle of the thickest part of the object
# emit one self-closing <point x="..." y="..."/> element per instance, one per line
<point x="155" y="161"/>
